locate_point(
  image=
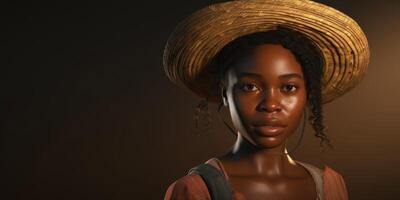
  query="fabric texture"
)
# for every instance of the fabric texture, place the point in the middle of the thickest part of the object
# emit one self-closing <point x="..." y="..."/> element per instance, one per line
<point x="330" y="185"/>
<point x="215" y="180"/>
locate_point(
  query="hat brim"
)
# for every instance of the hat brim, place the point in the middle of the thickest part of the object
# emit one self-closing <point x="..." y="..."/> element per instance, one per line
<point x="198" y="38"/>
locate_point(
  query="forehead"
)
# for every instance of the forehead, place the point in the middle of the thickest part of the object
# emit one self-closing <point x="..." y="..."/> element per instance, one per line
<point x="270" y="60"/>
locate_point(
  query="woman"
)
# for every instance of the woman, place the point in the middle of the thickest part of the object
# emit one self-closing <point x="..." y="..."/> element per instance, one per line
<point x="267" y="62"/>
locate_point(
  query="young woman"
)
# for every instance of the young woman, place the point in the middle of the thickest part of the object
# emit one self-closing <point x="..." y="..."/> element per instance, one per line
<point x="269" y="63"/>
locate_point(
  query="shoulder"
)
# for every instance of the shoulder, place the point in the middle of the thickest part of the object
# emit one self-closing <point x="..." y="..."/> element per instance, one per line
<point x="329" y="181"/>
<point x="327" y="173"/>
<point x="312" y="168"/>
<point x="334" y="184"/>
<point x="189" y="187"/>
<point x="331" y="176"/>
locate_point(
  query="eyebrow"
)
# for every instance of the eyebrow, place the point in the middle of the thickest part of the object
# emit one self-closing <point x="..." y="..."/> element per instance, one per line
<point x="284" y="76"/>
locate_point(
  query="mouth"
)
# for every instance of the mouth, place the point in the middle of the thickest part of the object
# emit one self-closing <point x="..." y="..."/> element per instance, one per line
<point x="268" y="131"/>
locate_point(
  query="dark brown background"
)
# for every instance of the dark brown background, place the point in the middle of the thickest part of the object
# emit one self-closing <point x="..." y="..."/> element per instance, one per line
<point x="87" y="112"/>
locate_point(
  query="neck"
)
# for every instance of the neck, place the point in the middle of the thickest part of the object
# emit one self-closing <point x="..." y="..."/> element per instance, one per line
<point x="263" y="161"/>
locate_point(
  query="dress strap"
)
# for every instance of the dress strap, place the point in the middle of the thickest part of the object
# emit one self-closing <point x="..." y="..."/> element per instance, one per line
<point x="317" y="175"/>
<point x="215" y="162"/>
<point x="216" y="183"/>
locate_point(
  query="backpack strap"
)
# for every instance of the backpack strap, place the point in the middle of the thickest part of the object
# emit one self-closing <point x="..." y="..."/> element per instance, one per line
<point x="217" y="185"/>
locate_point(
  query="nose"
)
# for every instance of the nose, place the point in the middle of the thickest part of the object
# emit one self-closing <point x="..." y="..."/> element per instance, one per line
<point x="270" y="101"/>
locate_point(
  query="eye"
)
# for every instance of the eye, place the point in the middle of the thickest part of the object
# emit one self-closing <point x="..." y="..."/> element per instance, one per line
<point x="289" y="88"/>
<point x="249" y="87"/>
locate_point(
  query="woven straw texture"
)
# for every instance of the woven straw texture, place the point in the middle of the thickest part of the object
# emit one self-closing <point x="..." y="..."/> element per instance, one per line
<point x="199" y="37"/>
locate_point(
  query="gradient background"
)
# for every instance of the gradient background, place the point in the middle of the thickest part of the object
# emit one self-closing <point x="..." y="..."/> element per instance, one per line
<point x="87" y="112"/>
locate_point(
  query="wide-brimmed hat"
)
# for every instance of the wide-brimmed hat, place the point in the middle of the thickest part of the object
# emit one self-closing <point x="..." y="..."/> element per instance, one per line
<point x="199" y="37"/>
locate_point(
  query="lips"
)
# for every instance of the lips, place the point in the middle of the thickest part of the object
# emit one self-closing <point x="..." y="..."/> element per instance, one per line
<point x="271" y="122"/>
<point x="269" y="128"/>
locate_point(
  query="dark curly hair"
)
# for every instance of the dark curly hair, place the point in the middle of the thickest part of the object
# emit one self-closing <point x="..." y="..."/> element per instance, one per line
<point x="306" y="53"/>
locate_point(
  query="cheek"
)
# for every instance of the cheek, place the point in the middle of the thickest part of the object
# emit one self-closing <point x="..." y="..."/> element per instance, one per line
<point x="245" y="105"/>
<point x="293" y="104"/>
<point x="242" y="109"/>
<point x="294" y="107"/>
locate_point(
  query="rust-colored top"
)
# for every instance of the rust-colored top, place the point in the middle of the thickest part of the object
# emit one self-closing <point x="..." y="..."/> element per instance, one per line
<point x="330" y="185"/>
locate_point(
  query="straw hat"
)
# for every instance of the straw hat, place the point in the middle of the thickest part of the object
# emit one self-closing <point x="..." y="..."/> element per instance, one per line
<point x="199" y="37"/>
